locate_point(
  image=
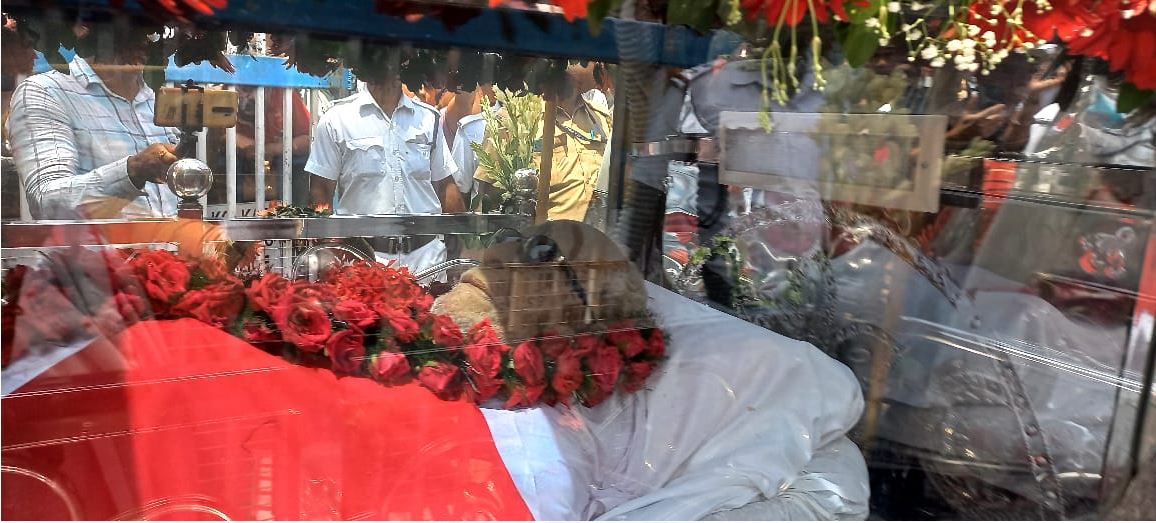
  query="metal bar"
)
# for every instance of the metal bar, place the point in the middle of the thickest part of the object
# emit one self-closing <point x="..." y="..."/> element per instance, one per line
<point x="231" y="170"/>
<point x="259" y="148"/>
<point x="58" y="233"/>
<point x="203" y="155"/>
<point x="287" y="147"/>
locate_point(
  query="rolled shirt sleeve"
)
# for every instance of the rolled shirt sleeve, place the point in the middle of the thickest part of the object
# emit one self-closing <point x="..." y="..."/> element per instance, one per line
<point x="45" y="151"/>
<point x="324" y="151"/>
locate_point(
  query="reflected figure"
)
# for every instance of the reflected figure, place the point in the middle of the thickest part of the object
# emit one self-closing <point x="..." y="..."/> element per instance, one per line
<point x="84" y="141"/>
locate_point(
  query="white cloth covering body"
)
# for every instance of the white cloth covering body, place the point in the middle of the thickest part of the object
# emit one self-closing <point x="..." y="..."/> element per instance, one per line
<point x="738" y="417"/>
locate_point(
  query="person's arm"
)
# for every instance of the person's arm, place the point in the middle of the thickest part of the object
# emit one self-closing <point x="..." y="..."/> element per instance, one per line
<point x="324" y="165"/>
<point x="445" y="173"/>
<point x="44" y="147"/>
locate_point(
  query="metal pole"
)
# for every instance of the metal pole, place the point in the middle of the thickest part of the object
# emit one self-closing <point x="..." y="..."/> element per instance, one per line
<point x="287" y="147"/>
<point x="550" y="121"/>
<point x="231" y="171"/>
<point x="203" y="155"/>
<point x="259" y="148"/>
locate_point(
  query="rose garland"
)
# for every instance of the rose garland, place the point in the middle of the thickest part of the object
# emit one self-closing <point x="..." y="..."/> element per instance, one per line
<point x="366" y="319"/>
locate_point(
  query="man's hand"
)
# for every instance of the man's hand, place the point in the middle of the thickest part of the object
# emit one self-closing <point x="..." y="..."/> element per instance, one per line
<point x="151" y="164"/>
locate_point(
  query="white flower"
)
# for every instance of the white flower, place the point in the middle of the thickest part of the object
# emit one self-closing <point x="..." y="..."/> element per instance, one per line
<point x="968" y="43"/>
<point x="918" y="6"/>
<point x="968" y="51"/>
<point x="972" y="30"/>
<point x="929" y="52"/>
<point x="914" y="35"/>
<point x="989" y="37"/>
<point x="972" y="67"/>
<point x="872" y="23"/>
<point x="937" y="62"/>
<point x="893" y="7"/>
<point x="954" y="45"/>
<point x="910" y="58"/>
<point x="995" y="9"/>
<point x="884" y="41"/>
<point x="1029" y="45"/>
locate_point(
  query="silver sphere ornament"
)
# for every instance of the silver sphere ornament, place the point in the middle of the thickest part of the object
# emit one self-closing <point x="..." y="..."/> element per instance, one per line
<point x="526" y="180"/>
<point x="190" y="178"/>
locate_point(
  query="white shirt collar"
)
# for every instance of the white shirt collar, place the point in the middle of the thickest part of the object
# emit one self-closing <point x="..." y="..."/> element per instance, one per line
<point x="367" y="99"/>
<point x="82" y="71"/>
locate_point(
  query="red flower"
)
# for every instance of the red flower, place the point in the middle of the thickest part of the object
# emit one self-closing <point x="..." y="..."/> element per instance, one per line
<point x="627" y="338"/>
<point x="636" y="374"/>
<point x="592" y="396"/>
<point x="482" y="333"/>
<point x="524" y="395"/>
<point x="528" y="364"/>
<point x="481" y="387"/>
<point x="1122" y="32"/>
<point x="306" y="325"/>
<point x="258" y="332"/>
<point x="266" y="293"/>
<point x="568" y="375"/>
<point x="217" y="304"/>
<point x="484" y="359"/>
<point x="400" y="323"/>
<point x="791" y="12"/>
<point x="389" y="367"/>
<point x="443" y="378"/>
<point x="656" y="345"/>
<point x="164" y="275"/>
<point x="604" y="365"/>
<point x="355" y="314"/>
<point x="586" y="344"/>
<point x="445" y="332"/>
<point x="346" y="350"/>
<point x="552" y="344"/>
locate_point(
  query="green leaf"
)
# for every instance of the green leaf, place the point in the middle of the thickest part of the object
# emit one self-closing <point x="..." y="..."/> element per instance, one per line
<point x="859" y="44"/>
<point x="1132" y="98"/>
<point x="598" y="10"/>
<point x="698" y="14"/>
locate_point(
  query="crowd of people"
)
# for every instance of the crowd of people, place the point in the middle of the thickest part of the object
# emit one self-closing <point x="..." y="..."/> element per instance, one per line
<point x="83" y="143"/>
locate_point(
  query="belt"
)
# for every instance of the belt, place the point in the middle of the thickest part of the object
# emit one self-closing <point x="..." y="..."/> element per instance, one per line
<point x="702" y="149"/>
<point x="399" y="244"/>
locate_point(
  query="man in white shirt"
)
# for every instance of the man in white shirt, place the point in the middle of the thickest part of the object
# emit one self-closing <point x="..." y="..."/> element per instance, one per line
<point x="380" y="152"/>
<point x="464" y="124"/>
<point x="84" y="142"/>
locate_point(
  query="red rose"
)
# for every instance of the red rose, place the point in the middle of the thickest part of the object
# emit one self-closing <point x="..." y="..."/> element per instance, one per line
<point x="524" y="395"/>
<point x="484" y="359"/>
<point x="403" y="326"/>
<point x="568" y="375"/>
<point x="586" y="344"/>
<point x="346" y="350"/>
<point x="305" y="325"/>
<point x="592" y="396"/>
<point x="445" y="332"/>
<point x="552" y="344"/>
<point x="604" y="364"/>
<point x="656" y="345"/>
<point x="267" y="292"/>
<point x="442" y="378"/>
<point x="422" y="302"/>
<point x="218" y="304"/>
<point x="258" y="332"/>
<point x="528" y="364"/>
<point x="164" y="275"/>
<point x="481" y="387"/>
<point x="389" y="367"/>
<point x="627" y="338"/>
<point x="483" y="333"/>
<point x="355" y="314"/>
<point x="636" y="374"/>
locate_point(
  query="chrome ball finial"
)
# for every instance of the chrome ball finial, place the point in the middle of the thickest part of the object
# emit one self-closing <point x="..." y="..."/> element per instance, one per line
<point x="190" y="178"/>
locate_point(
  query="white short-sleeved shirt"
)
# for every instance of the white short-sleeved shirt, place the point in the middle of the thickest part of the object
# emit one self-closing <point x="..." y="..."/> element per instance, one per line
<point x="382" y="164"/>
<point x="471" y="129"/>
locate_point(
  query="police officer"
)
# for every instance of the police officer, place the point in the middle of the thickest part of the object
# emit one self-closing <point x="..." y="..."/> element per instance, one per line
<point x="381" y="152"/>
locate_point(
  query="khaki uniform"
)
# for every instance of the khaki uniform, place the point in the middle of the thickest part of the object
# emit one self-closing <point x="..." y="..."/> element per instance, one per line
<point x="580" y="141"/>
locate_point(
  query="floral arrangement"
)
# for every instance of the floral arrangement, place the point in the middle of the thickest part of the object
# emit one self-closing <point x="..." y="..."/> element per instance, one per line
<point x="519" y="123"/>
<point x="276" y="210"/>
<point x="366" y="319"/>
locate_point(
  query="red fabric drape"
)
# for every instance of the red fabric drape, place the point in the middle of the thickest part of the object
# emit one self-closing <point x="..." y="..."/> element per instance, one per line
<point x="178" y="420"/>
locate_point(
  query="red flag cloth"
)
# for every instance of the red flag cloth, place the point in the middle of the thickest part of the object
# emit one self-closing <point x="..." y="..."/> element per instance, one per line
<point x="178" y="420"/>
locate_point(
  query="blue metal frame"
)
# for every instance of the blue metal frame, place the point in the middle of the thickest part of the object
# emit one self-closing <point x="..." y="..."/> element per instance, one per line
<point x="675" y="46"/>
<point x="267" y="71"/>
